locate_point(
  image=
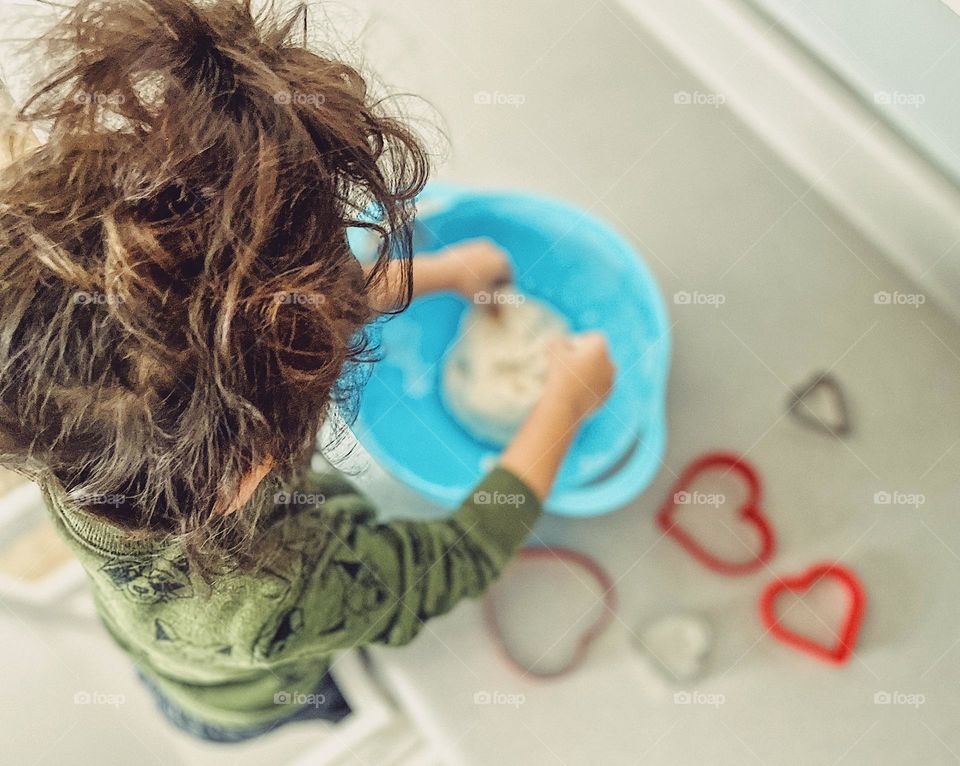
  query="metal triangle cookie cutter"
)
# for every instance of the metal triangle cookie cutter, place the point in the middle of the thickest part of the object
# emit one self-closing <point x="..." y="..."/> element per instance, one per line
<point x="797" y="405"/>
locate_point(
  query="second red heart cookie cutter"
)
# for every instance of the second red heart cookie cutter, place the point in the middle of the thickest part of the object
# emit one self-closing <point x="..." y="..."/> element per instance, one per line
<point x="608" y="594"/>
<point x="750" y="511"/>
<point x="841" y="651"/>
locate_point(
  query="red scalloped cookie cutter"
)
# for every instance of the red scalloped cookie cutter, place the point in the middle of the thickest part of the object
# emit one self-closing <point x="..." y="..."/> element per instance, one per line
<point x="841" y="651"/>
<point x="608" y="594"/>
<point x="749" y="512"/>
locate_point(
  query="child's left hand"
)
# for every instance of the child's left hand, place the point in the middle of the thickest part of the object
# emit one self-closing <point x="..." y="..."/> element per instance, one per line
<point x="476" y="266"/>
<point x="468" y="268"/>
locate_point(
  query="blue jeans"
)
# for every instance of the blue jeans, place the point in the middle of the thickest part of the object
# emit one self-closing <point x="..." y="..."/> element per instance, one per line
<point x="333" y="708"/>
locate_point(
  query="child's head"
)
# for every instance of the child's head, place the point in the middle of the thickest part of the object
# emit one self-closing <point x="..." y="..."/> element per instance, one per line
<point x="178" y="303"/>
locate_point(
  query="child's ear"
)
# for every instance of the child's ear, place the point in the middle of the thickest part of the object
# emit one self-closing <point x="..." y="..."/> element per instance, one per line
<point x="234" y="498"/>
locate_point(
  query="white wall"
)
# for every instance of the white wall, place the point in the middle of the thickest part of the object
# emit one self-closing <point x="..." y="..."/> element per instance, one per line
<point x="901" y="56"/>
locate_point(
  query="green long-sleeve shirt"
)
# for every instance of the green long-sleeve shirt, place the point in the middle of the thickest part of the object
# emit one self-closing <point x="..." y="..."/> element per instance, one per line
<point x="225" y="652"/>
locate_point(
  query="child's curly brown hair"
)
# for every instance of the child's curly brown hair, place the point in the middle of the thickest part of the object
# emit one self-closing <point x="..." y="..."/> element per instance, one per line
<point x="178" y="302"/>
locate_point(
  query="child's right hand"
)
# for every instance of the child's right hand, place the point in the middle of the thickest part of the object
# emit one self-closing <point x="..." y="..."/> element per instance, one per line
<point x="579" y="379"/>
<point x="580" y="372"/>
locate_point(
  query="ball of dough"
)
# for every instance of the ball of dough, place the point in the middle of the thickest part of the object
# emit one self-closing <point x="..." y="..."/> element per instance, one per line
<point x="495" y="370"/>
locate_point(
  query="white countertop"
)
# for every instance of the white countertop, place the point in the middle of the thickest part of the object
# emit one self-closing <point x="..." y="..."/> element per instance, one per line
<point x="714" y="212"/>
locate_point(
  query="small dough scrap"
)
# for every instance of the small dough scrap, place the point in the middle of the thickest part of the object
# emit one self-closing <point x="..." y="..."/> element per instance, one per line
<point x="495" y="371"/>
<point x="680" y="644"/>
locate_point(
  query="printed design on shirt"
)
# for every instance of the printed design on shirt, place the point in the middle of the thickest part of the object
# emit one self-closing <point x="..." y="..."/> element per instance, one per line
<point x="461" y="567"/>
<point x="164" y="631"/>
<point x="284" y="628"/>
<point x="348" y="593"/>
<point x="334" y="599"/>
<point x="155" y="580"/>
<point x="473" y="572"/>
<point x="364" y="591"/>
<point x="275" y="635"/>
<point x="275" y="585"/>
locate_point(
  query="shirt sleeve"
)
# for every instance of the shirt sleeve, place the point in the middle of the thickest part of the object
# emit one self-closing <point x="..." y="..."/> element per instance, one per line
<point x="380" y="582"/>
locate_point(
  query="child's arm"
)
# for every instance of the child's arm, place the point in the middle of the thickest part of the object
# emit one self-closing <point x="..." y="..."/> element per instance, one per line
<point x="401" y="574"/>
<point x="467" y="268"/>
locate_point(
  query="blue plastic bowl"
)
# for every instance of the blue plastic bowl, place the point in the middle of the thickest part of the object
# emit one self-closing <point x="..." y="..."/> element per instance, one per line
<point x="584" y="269"/>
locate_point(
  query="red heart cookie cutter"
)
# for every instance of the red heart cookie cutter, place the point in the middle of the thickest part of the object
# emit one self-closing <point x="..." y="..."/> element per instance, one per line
<point x="841" y="651"/>
<point x="749" y="511"/>
<point x="608" y="594"/>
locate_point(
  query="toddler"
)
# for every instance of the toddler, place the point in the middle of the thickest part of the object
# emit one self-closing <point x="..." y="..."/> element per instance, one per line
<point x="179" y="314"/>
